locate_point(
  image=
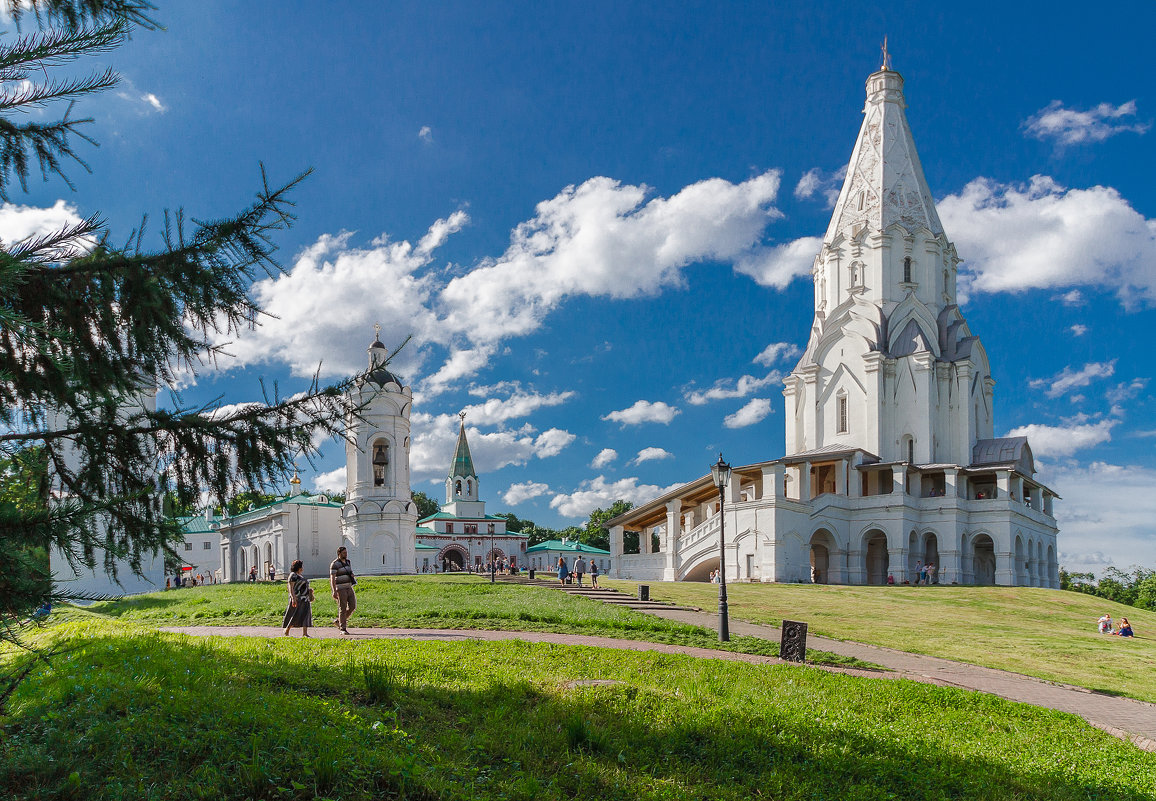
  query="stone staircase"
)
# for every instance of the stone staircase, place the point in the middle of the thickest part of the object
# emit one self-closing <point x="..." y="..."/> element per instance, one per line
<point x="605" y="595"/>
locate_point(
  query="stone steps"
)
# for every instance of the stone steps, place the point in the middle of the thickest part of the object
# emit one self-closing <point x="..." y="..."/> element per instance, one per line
<point x="606" y="595"/>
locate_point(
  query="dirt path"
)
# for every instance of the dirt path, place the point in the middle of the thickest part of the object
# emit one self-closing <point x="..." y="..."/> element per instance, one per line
<point x="1122" y="717"/>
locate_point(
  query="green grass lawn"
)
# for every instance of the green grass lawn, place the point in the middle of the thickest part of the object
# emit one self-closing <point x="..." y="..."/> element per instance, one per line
<point x="438" y="602"/>
<point x="131" y="713"/>
<point x="1050" y="634"/>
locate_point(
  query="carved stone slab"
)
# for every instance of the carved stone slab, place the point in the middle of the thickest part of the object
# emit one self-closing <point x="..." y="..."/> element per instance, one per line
<point x="793" y="644"/>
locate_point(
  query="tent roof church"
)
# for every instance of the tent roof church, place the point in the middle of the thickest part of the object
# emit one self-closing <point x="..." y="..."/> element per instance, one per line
<point x="891" y="457"/>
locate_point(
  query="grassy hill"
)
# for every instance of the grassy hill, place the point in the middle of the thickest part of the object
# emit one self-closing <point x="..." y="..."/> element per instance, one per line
<point x="1049" y="634"/>
<point x="130" y="713"/>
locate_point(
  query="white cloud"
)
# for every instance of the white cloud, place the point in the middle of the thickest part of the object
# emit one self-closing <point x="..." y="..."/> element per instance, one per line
<point x="552" y="442"/>
<point x="1064" y="440"/>
<point x="604" y="457"/>
<point x="527" y="490"/>
<point x="779" y="265"/>
<point x="826" y="184"/>
<point x="21" y="222"/>
<point x="652" y="454"/>
<point x="519" y="403"/>
<point x="1105" y="509"/>
<point x="331" y="482"/>
<point x="143" y="102"/>
<point x="1015" y="237"/>
<point x="605" y="239"/>
<point x="325" y="306"/>
<point x="461" y="363"/>
<point x="1078" y="330"/>
<point x="1126" y="391"/>
<point x="643" y="412"/>
<point x="435" y="436"/>
<point x="1073" y="297"/>
<point x="725" y="389"/>
<point x="775" y="352"/>
<point x="753" y="412"/>
<point x="425" y="134"/>
<point x="598" y="493"/>
<point x="1068" y="379"/>
<point x="1071" y="127"/>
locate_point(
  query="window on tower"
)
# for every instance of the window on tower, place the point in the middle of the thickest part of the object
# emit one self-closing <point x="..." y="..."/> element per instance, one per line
<point x="458" y="488"/>
<point x="842" y="413"/>
<point x="380" y="461"/>
<point x="907" y="269"/>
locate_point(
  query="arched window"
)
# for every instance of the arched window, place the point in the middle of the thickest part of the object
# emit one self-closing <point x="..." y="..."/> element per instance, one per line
<point x="380" y="462"/>
<point x="842" y="422"/>
<point x="458" y="488"/>
<point x="907" y="269"/>
<point x="911" y="450"/>
<point x="469" y="486"/>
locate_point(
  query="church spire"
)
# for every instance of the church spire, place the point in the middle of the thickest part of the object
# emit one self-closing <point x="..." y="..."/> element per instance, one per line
<point x="885" y="183"/>
<point x="463" y="464"/>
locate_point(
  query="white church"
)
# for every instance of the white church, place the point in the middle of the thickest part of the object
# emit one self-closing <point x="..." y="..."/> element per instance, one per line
<point x="891" y="458"/>
<point x="378" y="523"/>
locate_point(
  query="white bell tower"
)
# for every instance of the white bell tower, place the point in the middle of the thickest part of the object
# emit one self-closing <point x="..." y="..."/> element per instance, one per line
<point x="379" y="516"/>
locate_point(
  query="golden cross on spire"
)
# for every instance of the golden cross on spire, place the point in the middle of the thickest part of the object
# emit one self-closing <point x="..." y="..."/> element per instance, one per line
<point x="462" y="415"/>
<point x="377" y="330"/>
<point x="886" y="56"/>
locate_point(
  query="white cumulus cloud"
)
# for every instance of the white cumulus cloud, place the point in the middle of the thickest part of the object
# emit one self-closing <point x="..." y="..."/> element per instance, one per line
<point x="643" y="412"/>
<point x="527" y="490"/>
<point x="435" y="437"/>
<point x="777" y="351"/>
<point x="652" y="454"/>
<point x="598" y="493"/>
<point x="726" y="389"/>
<point x="1078" y="330"/>
<point x="1015" y="237"/>
<point x="779" y="265"/>
<point x="825" y="184"/>
<point x="425" y="134"/>
<point x="1068" y="379"/>
<point x="1068" y="126"/>
<point x="331" y="482"/>
<point x="1064" y="440"/>
<point x="604" y="457"/>
<point x="517" y="403"/>
<point x="753" y="412"/>
<point x="21" y="222"/>
<point x="1105" y="508"/>
<point x="552" y="442"/>
<point x="603" y="238"/>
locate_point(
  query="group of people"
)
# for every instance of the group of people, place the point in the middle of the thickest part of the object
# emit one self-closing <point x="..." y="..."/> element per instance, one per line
<point x="299" y="612"/>
<point x="1104" y="626"/>
<point x="716" y="576"/>
<point x="180" y="580"/>
<point x="568" y="576"/>
<point x="272" y="573"/>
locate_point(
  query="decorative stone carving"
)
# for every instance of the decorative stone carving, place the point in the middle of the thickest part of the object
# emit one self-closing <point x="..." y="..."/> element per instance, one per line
<point x="793" y="642"/>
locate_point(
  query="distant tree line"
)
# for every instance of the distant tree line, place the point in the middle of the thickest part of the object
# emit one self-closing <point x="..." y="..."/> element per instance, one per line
<point x="1134" y="587"/>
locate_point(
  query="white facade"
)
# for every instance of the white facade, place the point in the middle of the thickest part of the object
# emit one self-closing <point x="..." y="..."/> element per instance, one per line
<point x="379" y="517"/>
<point x="75" y="577"/>
<point x="891" y="459"/>
<point x="298" y="526"/>
<point x="463" y="534"/>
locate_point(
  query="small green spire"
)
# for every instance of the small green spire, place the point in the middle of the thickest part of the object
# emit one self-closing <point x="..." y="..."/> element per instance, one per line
<point x="463" y="464"/>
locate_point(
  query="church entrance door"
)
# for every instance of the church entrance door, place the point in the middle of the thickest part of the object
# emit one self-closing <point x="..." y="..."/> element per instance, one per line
<point x="875" y="558"/>
<point x="983" y="561"/>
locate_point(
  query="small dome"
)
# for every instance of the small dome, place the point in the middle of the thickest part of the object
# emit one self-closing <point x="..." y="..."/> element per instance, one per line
<point x="377" y="343"/>
<point x="381" y="377"/>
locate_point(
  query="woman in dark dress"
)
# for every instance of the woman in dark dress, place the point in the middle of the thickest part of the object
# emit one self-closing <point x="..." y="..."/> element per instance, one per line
<point x="299" y="612"/>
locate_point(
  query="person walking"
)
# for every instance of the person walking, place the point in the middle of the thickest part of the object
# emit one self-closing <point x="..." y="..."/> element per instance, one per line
<point x="272" y="572"/>
<point x="341" y="581"/>
<point x="563" y="570"/>
<point x="580" y="568"/>
<point x="299" y="612"/>
<point x="593" y="574"/>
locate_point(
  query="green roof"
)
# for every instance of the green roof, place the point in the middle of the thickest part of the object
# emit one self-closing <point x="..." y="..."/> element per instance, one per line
<point x="448" y="516"/>
<point x="463" y="464"/>
<point x="421" y="547"/>
<point x="569" y="545"/>
<point x="424" y="530"/>
<point x="195" y="524"/>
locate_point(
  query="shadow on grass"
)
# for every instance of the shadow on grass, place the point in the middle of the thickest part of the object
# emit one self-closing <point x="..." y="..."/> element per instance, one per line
<point x="203" y="719"/>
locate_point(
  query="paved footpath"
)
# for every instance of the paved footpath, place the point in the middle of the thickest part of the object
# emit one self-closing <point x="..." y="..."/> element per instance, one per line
<point x="1122" y="717"/>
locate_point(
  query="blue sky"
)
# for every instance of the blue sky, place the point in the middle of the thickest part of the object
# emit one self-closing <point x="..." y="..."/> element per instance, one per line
<point x="594" y="218"/>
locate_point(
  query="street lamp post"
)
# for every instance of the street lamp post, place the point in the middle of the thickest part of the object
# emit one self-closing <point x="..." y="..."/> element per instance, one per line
<point x="721" y="472"/>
